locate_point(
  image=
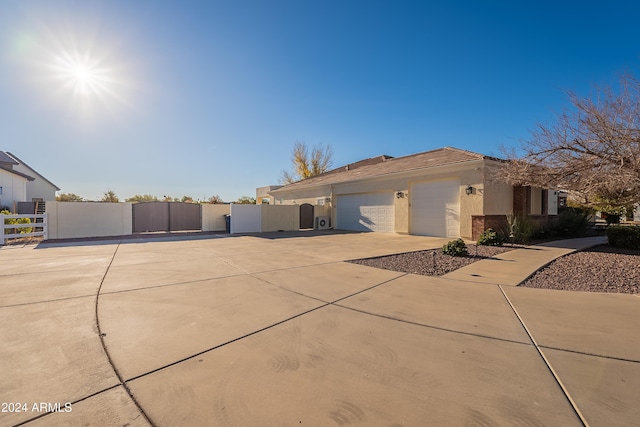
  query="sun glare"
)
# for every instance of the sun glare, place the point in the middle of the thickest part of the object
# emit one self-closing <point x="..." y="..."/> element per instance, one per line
<point x="79" y="69"/>
<point x="86" y="78"/>
<point x="82" y="75"/>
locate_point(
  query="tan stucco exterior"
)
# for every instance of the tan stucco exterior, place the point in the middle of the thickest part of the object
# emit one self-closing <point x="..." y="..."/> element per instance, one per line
<point x="284" y="217"/>
<point x="88" y="219"/>
<point x="213" y="216"/>
<point x="488" y="196"/>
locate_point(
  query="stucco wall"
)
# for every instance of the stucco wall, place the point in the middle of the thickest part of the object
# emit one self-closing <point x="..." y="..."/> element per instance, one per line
<point x="88" y="219"/>
<point x="213" y="217"/>
<point x="282" y="217"/>
<point x="401" y="213"/>
<point x="246" y="218"/>
<point x="487" y="197"/>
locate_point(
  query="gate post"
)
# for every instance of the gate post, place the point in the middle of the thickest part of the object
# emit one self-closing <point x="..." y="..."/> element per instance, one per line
<point x="2" y="229"/>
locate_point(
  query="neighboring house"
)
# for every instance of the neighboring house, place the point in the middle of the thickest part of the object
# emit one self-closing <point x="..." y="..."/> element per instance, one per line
<point x="446" y="192"/>
<point x="21" y="183"/>
<point x="13" y="184"/>
<point x="263" y="196"/>
<point x="40" y="188"/>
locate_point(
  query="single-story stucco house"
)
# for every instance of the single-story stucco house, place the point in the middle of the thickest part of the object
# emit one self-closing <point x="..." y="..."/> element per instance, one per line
<point x="21" y="183"/>
<point x="447" y="192"/>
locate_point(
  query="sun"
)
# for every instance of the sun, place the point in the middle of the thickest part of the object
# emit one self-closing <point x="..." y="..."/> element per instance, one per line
<point x="82" y="75"/>
<point x="80" y="70"/>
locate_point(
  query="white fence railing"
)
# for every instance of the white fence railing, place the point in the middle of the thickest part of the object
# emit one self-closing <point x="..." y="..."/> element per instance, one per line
<point x="34" y="225"/>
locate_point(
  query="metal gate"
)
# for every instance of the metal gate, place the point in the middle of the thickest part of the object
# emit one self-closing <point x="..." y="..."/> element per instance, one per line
<point x="166" y="216"/>
<point x="306" y="216"/>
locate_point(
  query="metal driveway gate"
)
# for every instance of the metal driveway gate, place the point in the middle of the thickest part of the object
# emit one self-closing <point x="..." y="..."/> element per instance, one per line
<point x="166" y="216"/>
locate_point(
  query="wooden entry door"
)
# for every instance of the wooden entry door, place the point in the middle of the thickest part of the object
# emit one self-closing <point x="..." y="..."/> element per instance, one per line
<point x="306" y="216"/>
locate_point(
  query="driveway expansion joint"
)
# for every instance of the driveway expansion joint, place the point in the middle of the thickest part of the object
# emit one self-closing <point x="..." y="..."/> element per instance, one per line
<point x="82" y="399"/>
<point x="101" y="335"/>
<point x="583" y="353"/>
<point x="547" y="362"/>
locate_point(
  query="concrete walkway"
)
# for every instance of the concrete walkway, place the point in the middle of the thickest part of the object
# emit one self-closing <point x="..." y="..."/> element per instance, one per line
<point x="279" y="330"/>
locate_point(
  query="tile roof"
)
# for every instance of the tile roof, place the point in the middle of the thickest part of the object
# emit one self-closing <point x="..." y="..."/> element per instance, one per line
<point x="384" y="165"/>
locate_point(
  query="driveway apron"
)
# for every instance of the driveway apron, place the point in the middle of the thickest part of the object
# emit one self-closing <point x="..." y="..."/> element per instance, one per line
<point x="280" y="330"/>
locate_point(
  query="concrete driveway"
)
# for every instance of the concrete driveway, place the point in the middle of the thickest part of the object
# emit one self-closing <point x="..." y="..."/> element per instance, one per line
<point x="278" y="330"/>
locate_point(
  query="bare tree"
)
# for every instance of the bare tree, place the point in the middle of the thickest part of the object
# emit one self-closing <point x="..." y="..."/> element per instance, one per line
<point x="215" y="200"/>
<point x="305" y="164"/>
<point x="593" y="149"/>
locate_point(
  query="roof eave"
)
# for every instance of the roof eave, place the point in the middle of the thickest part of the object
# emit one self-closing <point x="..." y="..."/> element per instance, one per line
<point x="284" y="190"/>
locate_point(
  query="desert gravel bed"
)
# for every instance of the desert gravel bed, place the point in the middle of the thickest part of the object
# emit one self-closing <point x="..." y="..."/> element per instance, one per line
<point x="433" y="262"/>
<point x="599" y="269"/>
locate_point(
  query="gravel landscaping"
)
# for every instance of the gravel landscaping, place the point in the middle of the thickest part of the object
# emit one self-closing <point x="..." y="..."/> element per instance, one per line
<point x="599" y="269"/>
<point x="433" y="262"/>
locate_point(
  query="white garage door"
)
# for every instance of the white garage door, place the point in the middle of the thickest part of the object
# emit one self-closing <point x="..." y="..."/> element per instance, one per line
<point x="366" y="212"/>
<point x="435" y="208"/>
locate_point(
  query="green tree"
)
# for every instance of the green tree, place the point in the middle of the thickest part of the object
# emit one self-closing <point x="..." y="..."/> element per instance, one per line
<point x="110" y="196"/>
<point x="142" y="198"/>
<point x="69" y="197"/>
<point x="246" y="200"/>
<point x="187" y="199"/>
<point x="307" y="164"/>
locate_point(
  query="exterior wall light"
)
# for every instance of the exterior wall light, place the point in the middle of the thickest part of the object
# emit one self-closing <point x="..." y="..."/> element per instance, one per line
<point x="468" y="190"/>
<point x="399" y="195"/>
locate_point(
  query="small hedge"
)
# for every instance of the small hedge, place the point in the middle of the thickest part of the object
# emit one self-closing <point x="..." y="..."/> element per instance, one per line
<point x="489" y="238"/>
<point x="11" y="221"/>
<point x="455" y="248"/>
<point x="624" y="237"/>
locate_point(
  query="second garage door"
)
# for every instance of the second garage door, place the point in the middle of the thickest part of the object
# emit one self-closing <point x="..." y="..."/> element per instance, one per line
<point x="435" y="208"/>
<point x="366" y="212"/>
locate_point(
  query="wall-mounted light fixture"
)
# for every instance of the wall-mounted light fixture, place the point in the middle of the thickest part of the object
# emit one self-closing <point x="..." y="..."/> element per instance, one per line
<point x="399" y="195"/>
<point x="469" y="190"/>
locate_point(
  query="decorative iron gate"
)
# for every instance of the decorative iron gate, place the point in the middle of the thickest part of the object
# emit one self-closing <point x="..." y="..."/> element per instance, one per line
<point x="166" y="216"/>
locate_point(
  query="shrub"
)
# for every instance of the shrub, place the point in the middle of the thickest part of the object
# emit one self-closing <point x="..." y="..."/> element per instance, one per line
<point x="522" y="228"/>
<point x="455" y="248"/>
<point x="10" y="221"/>
<point x="569" y="223"/>
<point x="490" y="238"/>
<point x="624" y="237"/>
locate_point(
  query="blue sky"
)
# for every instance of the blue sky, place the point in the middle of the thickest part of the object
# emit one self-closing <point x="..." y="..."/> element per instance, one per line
<point x="201" y="98"/>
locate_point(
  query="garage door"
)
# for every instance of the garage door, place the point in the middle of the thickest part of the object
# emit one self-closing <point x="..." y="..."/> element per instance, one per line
<point x="435" y="208"/>
<point x="366" y="212"/>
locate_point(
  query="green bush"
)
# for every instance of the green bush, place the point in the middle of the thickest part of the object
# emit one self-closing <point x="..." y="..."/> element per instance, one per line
<point x="624" y="237"/>
<point x="522" y="228"/>
<point x="570" y="222"/>
<point x="455" y="248"/>
<point x="490" y="238"/>
<point x="11" y="221"/>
